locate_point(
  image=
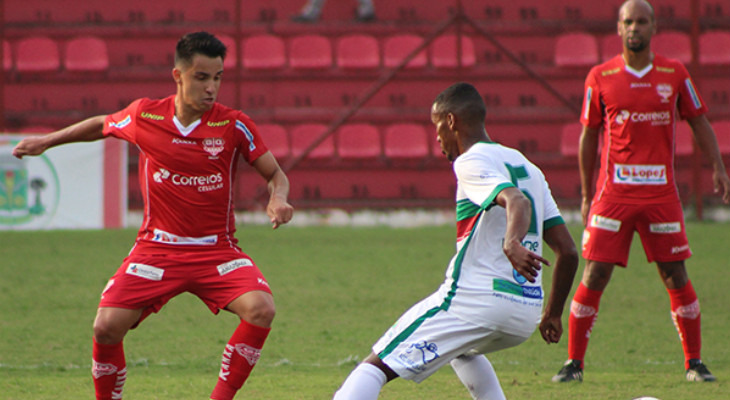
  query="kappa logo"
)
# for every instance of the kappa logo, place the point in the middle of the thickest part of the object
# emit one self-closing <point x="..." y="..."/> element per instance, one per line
<point x="100" y="369"/>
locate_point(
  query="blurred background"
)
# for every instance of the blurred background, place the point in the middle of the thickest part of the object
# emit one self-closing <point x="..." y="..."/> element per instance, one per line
<point x="343" y="101"/>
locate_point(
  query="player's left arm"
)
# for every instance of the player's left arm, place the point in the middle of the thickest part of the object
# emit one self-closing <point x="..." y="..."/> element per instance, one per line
<point x="566" y="264"/>
<point x="278" y="209"/>
<point x="706" y="140"/>
<point x="519" y="214"/>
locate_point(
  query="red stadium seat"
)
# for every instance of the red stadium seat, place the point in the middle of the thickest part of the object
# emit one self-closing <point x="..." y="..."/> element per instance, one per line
<point x="7" y="56"/>
<point x="722" y="131"/>
<point x="305" y="134"/>
<point x="358" y="51"/>
<point x="310" y="51"/>
<point x="264" y="52"/>
<point x="683" y="143"/>
<point x="673" y="44"/>
<point x="397" y="47"/>
<point x="231" y="61"/>
<point x="358" y="140"/>
<point x="570" y="138"/>
<point x="276" y="139"/>
<point x="576" y="49"/>
<point x="610" y="46"/>
<point x="37" y="54"/>
<point x="406" y="140"/>
<point x="86" y="53"/>
<point x="444" y="50"/>
<point x="715" y="48"/>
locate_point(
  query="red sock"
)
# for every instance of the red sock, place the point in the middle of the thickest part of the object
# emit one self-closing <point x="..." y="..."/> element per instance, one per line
<point x="686" y="317"/>
<point x="239" y="357"/>
<point x="583" y="313"/>
<point x="109" y="370"/>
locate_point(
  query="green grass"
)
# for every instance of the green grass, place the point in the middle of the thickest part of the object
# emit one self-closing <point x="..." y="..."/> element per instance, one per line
<point x="337" y="290"/>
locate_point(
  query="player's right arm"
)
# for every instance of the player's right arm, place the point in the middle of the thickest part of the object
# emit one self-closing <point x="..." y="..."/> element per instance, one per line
<point x="587" y="154"/>
<point x="87" y="130"/>
<point x="566" y="264"/>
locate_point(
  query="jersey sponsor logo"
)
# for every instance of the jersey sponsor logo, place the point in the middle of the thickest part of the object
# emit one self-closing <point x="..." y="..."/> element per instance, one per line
<point x="587" y="102"/>
<point x="121" y="124"/>
<point x="605" y="223"/>
<point x="665" y="91"/>
<point x="665" y="70"/>
<point x="611" y="72"/>
<point x="205" y="183"/>
<point x="216" y="124"/>
<point x="680" y="249"/>
<point x="234" y="265"/>
<point x="418" y="355"/>
<point x="581" y="310"/>
<point x="102" y="369"/>
<point x="169" y="238"/>
<point x="183" y="141"/>
<point x="530" y="292"/>
<point x="213" y="146"/>
<point x="249" y="136"/>
<point x="145" y="271"/>
<point x="640" y="174"/>
<point x="155" y="117"/>
<point x="635" y="85"/>
<point x="654" y="117"/>
<point x="666" y="227"/>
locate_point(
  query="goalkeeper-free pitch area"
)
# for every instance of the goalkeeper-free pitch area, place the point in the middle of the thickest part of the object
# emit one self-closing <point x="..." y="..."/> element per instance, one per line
<point x="337" y="290"/>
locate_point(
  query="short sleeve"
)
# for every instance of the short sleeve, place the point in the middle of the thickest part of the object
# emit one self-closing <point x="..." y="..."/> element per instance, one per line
<point x="592" y="112"/>
<point x="480" y="179"/>
<point x="121" y="124"/>
<point x="690" y="102"/>
<point x="252" y="146"/>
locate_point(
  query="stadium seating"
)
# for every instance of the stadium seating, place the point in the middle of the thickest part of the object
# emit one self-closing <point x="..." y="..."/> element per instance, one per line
<point x="398" y="46"/>
<point x="310" y="51"/>
<point x="610" y="46"/>
<point x="683" y="142"/>
<point x="570" y="139"/>
<point x="715" y="48"/>
<point x="722" y="131"/>
<point x="405" y="140"/>
<point x="576" y="49"/>
<point x="231" y="61"/>
<point x="262" y="52"/>
<point x="673" y="44"/>
<point x="358" y="141"/>
<point x="445" y="48"/>
<point x="358" y="51"/>
<point x="276" y="139"/>
<point x="305" y="134"/>
<point x="86" y="54"/>
<point x="37" y="54"/>
<point x="7" y="56"/>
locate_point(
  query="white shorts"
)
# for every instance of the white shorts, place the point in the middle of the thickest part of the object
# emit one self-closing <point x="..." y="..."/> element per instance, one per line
<point x="426" y="337"/>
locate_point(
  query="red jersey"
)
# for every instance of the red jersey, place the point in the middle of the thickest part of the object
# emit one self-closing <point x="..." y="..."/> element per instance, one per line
<point x="638" y="110"/>
<point x="186" y="173"/>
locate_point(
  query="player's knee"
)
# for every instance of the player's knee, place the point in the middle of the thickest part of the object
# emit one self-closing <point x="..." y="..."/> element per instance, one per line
<point x="106" y="332"/>
<point x="261" y="314"/>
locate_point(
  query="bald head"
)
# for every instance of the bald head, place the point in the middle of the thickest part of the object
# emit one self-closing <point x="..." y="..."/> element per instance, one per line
<point x="631" y="4"/>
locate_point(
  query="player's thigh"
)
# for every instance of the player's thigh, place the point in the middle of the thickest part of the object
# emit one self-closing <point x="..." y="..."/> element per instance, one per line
<point x="608" y="233"/>
<point x="662" y="232"/>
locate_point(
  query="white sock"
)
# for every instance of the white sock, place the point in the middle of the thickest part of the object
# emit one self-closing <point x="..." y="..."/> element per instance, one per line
<point x="363" y="383"/>
<point x="477" y="374"/>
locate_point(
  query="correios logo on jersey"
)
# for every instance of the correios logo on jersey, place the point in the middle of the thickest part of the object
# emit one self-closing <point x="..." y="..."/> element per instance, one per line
<point x="29" y="189"/>
<point x="653" y="117"/>
<point x="205" y="183"/>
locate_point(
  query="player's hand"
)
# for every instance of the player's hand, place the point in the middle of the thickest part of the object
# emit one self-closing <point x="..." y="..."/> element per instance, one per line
<point x="527" y="263"/>
<point x="722" y="185"/>
<point x="551" y="329"/>
<point x="30" y="146"/>
<point x="279" y="211"/>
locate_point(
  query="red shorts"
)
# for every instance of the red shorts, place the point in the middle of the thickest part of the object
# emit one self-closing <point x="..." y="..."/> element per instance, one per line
<point x="149" y="281"/>
<point x="611" y="226"/>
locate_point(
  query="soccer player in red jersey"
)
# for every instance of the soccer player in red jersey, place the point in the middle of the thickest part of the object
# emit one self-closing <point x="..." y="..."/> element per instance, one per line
<point x="634" y="98"/>
<point x="189" y="146"/>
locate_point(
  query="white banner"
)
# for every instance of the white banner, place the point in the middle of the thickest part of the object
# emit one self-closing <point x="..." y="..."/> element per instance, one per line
<point x="72" y="186"/>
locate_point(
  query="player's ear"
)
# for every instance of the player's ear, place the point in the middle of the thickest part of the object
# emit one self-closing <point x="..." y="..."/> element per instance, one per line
<point x="176" y="75"/>
<point x="451" y="121"/>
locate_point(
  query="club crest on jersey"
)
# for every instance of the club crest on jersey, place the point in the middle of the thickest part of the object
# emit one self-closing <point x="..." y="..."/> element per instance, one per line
<point x="213" y="146"/>
<point x="665" y="91"/>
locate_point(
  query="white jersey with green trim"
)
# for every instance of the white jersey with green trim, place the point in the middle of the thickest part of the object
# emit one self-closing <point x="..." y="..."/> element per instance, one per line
<point x="480" y="278"/>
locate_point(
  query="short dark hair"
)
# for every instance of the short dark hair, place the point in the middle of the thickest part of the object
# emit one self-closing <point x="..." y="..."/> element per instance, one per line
<point x="199" y="43"/>
<point x="463" y="100"/>
<point x="651" y="7"/>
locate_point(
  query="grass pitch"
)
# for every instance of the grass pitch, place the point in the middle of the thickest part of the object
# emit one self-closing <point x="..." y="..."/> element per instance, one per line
<point x="337" y="290"/>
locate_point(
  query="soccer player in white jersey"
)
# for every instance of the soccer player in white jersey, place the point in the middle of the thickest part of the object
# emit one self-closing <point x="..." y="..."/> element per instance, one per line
<point x="492" y="297"/>
<point x="189" y="146"/>
<point x="635" y="99"/>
